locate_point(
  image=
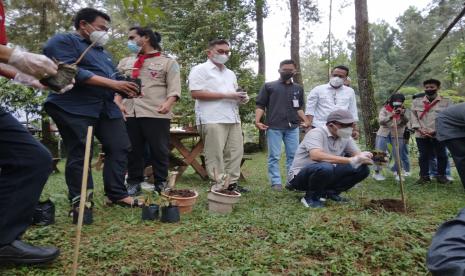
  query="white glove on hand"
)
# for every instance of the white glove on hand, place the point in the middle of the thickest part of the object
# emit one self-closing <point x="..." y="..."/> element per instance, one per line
<point x="362" y="158"/>
<point x="28" y="80"/>
<point x="38" y="66"/>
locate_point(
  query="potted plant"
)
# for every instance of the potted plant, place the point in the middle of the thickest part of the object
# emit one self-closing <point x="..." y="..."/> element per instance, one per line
<point x="87" y="218"/>
<point x="220" y="198"/>
<point x="150" y="210"/>
<point x="185" y="198"/>
<point x="169" y="210"/>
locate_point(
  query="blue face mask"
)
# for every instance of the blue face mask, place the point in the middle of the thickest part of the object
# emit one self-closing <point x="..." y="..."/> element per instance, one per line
<point x="133" y="47"/>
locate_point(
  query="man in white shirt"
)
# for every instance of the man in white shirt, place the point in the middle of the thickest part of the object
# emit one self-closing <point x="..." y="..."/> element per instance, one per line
<point x="213" y="86"/>
<point x="332" y="96"/>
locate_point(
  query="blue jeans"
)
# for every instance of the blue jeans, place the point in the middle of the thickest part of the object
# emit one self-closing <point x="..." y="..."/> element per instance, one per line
<point x="320" y="179"/>
<point x="275" y="137"/>
<point x="433" y="167"/>
<point x="382" y="145"/>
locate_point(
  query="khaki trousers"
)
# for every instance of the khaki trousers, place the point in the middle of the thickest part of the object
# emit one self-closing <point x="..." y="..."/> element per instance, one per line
<point x="223" y="149"/>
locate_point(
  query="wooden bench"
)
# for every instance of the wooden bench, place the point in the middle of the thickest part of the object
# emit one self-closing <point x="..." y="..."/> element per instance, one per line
<point x="244" y="158"/>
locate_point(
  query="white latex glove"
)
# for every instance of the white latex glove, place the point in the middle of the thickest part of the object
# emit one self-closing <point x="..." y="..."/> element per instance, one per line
<point x="366" y="154"/>
<point x="28" y="80"/>
<point x="38" y="66"/>
<point x="358" y="160"/>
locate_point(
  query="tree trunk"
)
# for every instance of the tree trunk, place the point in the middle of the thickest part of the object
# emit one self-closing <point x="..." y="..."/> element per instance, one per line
<point x="295" y="38"/>
<point x="47" y="138"/>
<point x="259" y="13"/>
<point x="365" y="85"/>
<point x="259" y="6"/>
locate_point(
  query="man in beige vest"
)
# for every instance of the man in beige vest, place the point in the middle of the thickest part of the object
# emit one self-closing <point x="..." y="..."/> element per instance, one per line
<point x="424" y="112"/>
<point x="148" y="118"/>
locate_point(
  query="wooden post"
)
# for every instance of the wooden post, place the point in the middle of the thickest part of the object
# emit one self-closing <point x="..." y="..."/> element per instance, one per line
<point x="83" y="199"/>
<point x="399" y="167"/>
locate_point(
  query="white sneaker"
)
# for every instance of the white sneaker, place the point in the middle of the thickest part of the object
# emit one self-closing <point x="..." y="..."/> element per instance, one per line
<point x="379" y="177"/>
<point x="406" y="174"/>
<point x="397" y="178"/>
<point x="147" y="186"/>
<point x="450" y="178"/>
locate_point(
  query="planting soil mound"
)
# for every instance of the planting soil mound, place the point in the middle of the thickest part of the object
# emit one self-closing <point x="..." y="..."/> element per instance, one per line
<point x="181" y="193"/>
<point x="389" y="205"/>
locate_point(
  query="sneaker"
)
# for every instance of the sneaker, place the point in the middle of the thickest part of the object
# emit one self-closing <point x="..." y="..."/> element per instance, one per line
<point x="398" y="179"/>
<point x="277" y="187"/>
<point x="379" y="177"/>
<point x="442" y="179"/>
<point x="149" y="187"/>
<point x="406" y="174"/>
<point x="423" y="180"/>
<point x="312" y="203"/>
<point x="133" y="189"/>
<point x="450" y="178"/>
<point x="337" y="198"/>
<point x="159" y="187"/>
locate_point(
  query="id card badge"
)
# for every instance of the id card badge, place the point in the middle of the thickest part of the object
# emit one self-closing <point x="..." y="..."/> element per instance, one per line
<point x="295" y="103"/>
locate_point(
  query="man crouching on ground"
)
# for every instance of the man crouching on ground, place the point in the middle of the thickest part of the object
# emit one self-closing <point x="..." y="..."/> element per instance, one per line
<point x="320" y="167"/>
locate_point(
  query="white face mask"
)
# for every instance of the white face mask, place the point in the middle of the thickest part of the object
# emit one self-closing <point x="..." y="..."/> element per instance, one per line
<point x="344" y="133"/>
<point x="101" y="37"/>
<point x="336" y="82"/>
<point x="221" y="59"/>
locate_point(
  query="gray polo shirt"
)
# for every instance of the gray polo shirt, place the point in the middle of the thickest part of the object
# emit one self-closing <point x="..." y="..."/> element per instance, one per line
<point x="320" y="138"/>
<point x="450" y="123"/>
<point x="281" y="102"/>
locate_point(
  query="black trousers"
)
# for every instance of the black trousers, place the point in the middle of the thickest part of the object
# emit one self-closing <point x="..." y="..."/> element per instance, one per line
<point x="115" y="143"/>
<point x="457" y="150"/>
<point x="429" y="147"/>
<point x="156" y="133"/>
<point x="25" y="166"/>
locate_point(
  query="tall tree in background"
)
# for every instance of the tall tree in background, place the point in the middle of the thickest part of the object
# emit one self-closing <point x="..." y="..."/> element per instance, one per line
<point x="365" y="86"/>
<point x="295" y="38"/>
<point x="307" y="11"/>
<point x="260" y="14"/>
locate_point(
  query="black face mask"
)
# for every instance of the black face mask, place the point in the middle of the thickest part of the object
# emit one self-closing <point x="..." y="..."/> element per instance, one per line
<point x="285" y="76"/>
<point x="430" y="92"/>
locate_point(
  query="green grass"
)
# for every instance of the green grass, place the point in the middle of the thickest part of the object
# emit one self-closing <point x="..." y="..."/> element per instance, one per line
<point x="268" y="233"/>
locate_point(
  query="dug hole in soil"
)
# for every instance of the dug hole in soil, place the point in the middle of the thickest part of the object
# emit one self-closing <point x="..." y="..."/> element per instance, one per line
<point x="388" y="205"/>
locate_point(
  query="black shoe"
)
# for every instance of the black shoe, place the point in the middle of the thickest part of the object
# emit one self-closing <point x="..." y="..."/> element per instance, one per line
<point x="237" y="188"/>
<point x="19" y="252"/>
<point x="442" y="179"/>
<point x="337" y="198"/>
<point x="423" y="180"/>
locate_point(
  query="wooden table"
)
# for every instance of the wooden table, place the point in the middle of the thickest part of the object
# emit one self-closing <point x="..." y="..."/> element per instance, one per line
<point x="190" y="155"/>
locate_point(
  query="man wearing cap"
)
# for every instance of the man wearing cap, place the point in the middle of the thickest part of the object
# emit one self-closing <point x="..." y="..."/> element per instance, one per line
<point x="320" y="167"/>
